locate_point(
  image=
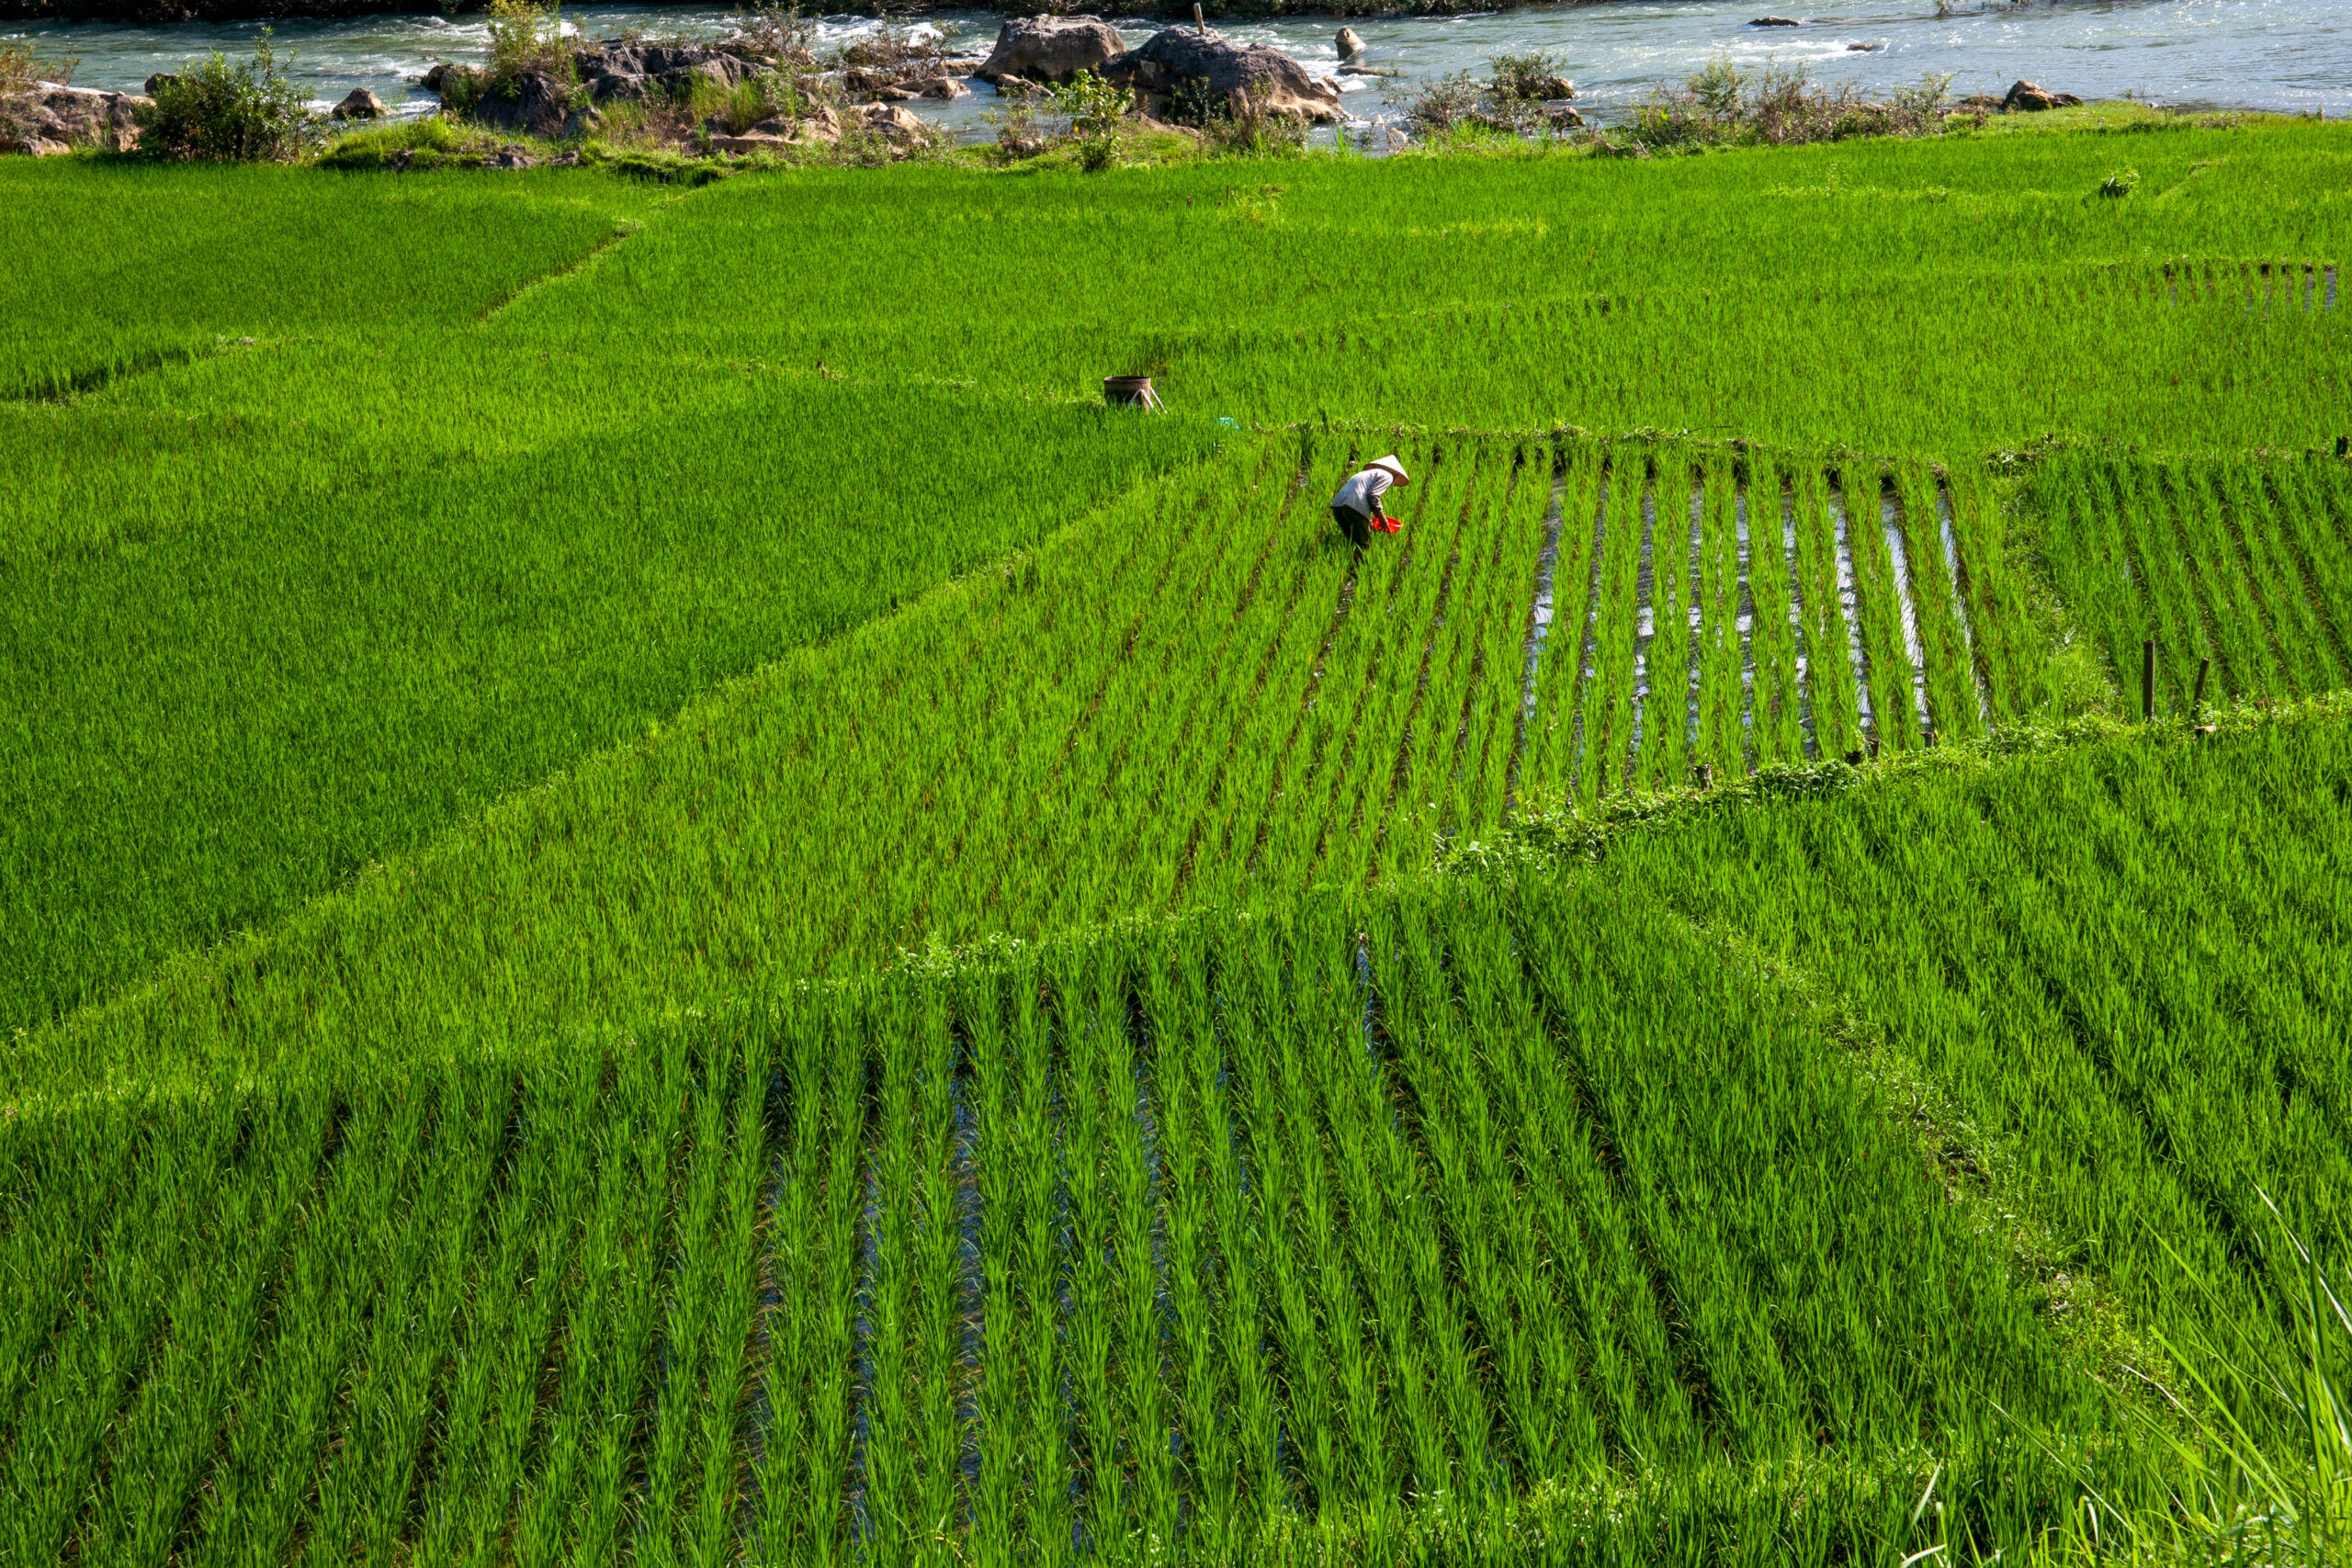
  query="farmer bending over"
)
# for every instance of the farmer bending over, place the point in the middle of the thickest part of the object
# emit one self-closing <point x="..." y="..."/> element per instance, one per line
<point x="1356" y="509"/>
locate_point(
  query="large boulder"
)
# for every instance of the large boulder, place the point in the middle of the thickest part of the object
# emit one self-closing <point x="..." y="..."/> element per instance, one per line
<point x="534" y="104"/>
<point x="620" y="69"/>
<point x="358" y="104"/>
<point x="1051" y="49"/>
<point x="49" y="118"/>
<point x="1173" y="56"/>
<point x="2027" y="97"/>
<point x="902" y="129"/>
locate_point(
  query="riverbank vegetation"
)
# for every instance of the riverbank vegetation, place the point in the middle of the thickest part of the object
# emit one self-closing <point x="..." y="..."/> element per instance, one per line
<point x="662" y="895"/>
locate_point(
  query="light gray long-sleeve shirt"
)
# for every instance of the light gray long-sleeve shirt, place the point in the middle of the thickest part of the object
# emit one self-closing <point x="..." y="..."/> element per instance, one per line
<point x="1363" y="489"/>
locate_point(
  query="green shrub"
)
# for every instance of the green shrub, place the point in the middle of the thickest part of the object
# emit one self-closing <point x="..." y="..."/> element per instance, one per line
<point x="20" y="68"/>
<point x="1096" y="111"/>
<point x="217" y="112"/>
<point x="523" y="37"/>
<point x="1525" y="76"/>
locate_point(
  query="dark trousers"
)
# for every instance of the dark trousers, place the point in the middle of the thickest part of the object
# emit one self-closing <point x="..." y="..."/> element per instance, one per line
<point x="1354" y="524"/>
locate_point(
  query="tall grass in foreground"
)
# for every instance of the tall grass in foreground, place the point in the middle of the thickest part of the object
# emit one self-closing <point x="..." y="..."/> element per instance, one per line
<point x="2265" y="1474"/>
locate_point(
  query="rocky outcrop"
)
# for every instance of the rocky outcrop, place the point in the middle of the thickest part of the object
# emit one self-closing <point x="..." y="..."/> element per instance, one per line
<point x="48" y="118"/>
<point x="1051" y="49"/>
<point x="616" y="69"/>
<point x="1262" y="79"/>
<point x="358" y="104"/>
<point x="534" y="103"/>
<point x="2029" y="97"/>
<point x="629" y="72"/>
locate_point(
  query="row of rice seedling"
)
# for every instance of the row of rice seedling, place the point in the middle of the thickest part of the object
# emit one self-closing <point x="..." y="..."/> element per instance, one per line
<point x="2245" y="563"/>
<point x="1779" y="711"/>
<point x="1769" y="640"/>
<point x="239" y="666"/>
<point x="2120" y="960"/>
<point x="1200" y="694"/>
<point x="1388" y="1213"/>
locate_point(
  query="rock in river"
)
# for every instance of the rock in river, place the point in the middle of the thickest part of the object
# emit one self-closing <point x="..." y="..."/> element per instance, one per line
<point x="900" y="128"/>
<point x="1051" y="49"/>
<point x="2030" y="97"/>
<point x="535" y="103"/>
<point x="49" y="118"/>
<point x="1176" y="55"/>
<point x="358" y="104"/>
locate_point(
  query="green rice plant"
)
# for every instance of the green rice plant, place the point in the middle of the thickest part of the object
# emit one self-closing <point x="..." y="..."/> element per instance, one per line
<point x="1775" y="643"/>
<point x="2270" y="1465"/>
<point x="2231" y="602"/>
<point x="2303" y="500"/>
<point x="1725" y="630"/>
<point x="1829" y="632"/>
<point x="1676" y="710"/>
<point x="2235" y="563"/>
<point x="1888" y="669"/>
<point x="1602" y="713"/>
<point x="1946" y="668"/>
<point x="98" y="1336"/>
<point x="647" y="1129"/>
<point x="1495" y="741"/>
<point x="255" y="1504"/>
<point x="2280" y="579"/>
<point x="1552" y="733"/>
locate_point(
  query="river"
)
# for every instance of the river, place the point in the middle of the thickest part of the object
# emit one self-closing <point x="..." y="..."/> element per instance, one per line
<point x="2290" y="55"/>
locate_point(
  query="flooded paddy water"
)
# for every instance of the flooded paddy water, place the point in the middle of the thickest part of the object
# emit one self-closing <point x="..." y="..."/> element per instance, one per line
<point x="2293" y="56"/>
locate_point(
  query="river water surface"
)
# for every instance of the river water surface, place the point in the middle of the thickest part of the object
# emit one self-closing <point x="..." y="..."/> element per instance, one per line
<point x="2291" y="55"/>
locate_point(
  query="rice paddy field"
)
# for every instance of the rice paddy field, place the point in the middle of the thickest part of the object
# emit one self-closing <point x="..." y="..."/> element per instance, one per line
<point x="663" y="901"/>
